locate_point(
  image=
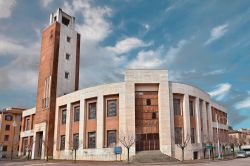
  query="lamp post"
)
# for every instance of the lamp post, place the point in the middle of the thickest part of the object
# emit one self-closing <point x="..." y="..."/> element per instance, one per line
<point x="14" y="125"/>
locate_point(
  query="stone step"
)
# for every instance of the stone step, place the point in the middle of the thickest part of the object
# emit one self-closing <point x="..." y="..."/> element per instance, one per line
<point x="152" y="156"/>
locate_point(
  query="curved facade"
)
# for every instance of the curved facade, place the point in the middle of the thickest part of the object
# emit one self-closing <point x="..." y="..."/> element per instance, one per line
<point x="158" y="113"/>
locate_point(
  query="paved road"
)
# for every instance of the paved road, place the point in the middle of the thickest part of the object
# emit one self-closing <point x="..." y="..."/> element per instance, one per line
<point x="235" y="162"/>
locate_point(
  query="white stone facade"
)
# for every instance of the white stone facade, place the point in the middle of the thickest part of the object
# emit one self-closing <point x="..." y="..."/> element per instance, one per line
<point x="126" y="91"/>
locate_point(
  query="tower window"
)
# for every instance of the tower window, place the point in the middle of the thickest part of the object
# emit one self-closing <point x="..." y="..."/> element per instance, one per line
<point x="68" y="39"/>
<point x="6" y="137"/>
<point x="154" y="115"/>
<point x="148" y="101"/>
<point x="7" y="127"/>
<point x="67" y="75"/>
<point x="67" y="56"/>
<point x="55" y="18"/>
<point x="65" y="21"/>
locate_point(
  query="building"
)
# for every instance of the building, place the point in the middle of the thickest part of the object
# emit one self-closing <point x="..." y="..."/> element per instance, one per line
<point x="10" y="128"/>
<point x="146" y="105"/>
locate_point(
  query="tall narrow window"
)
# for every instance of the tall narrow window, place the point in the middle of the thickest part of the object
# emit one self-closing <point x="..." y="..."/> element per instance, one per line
<point x="178" y="135"/>
<point x="92" y="110"/>
<point x="112" y="108"/>
<point x="76" y="141"/>
<point x="64" y="115"/>
<point x="6" y="137"/>
<point x="192" y="135"/>
<point x="7" y="127"/>
<point x="66" y="75"/>
<point x="68" y="39"/>
<point x="148" y="101"/>
<point x="111" y="138"/>
<point x="177" y="107"/>
<point x="91" y="139"/>
<point x="62" y="143"/>
<point x="191" y="108"/>
<point x="76" y="113"/>
<point x="67" y="56"/>
<point x="27" y="124"/>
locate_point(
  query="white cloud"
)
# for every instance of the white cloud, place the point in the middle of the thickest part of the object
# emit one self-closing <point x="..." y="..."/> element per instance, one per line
<point x="156" y="58"/>
<point x="214" y="72"/>
<point x="127" y="45"/>
<point x="216" y="33"/>
<point x="6" y="8"/>
<point x="243" y="104"/>
<point x="95" y="27"/>
<point x="221" y="91"/>
<point x="46" y="3"/>
<point x="173" y="51"/>
<point x="146" y="60"/>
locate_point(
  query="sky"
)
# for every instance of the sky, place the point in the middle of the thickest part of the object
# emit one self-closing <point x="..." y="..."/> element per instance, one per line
<point x="202" y="43"/>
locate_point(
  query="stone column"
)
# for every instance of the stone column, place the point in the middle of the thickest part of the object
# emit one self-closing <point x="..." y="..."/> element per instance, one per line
<point x="100" y="120"/>
<point x="198" y="120"/>
<point x="209" y="116"/>
<point x="186" y="117"/>
<point x="81" y="124"/>
<point x="204" y="115"/>
<point x="164" y="118"/>
<point x="68" y="141"/>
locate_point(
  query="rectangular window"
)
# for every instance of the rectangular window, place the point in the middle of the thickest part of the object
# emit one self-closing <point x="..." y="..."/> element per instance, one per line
<point x="67" y="56"/>
<point x="111" y="138"/>
<point x="191" y="108"/>
<point x="68" y="39"/>
<point x="148" y="102"/>
<point x="178" y="135"/>
<point x="62" y="143"/>
<point x="177" y="107"/>
<point x="91" y="139"/>
<point x="65" y="21"/>
<point x="92" y="110"/>
<point x="192" y="135"/>
<point x="112" y="108"/>
<point x="7" y="127"/>
<point x="5" y="148"/>
<point x="76" y="113"/>
<point x="75" y="141"/>
<point x="6" y="137"/>
<point x="66" y="75"/>
<point x="64" y="115"/>
<point x="27" y="124"/>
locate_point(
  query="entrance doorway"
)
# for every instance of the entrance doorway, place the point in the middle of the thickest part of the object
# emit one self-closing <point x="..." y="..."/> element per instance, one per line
<point x="39" y="144"/>
<point x="147" y="120"/>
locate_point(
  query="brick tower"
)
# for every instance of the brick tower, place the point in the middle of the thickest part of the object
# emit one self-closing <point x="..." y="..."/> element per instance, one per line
<point x="58" y="75"/>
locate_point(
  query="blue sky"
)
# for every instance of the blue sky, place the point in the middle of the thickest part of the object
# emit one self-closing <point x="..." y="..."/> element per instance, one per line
<point x="203" y="43"/>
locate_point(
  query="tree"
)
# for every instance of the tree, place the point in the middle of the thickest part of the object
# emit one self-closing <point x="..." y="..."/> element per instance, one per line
<point x="127" y="140"/>
<point x="182" y="143"/>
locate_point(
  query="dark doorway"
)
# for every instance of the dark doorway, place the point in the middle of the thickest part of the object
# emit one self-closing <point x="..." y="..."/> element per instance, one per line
<point x="195" y="155"/>
<point x="146" y="120"/>
<point x="39" y="144"/>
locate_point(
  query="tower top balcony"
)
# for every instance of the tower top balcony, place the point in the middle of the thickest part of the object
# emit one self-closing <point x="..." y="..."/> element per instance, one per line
<point x="63" y="18"/>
